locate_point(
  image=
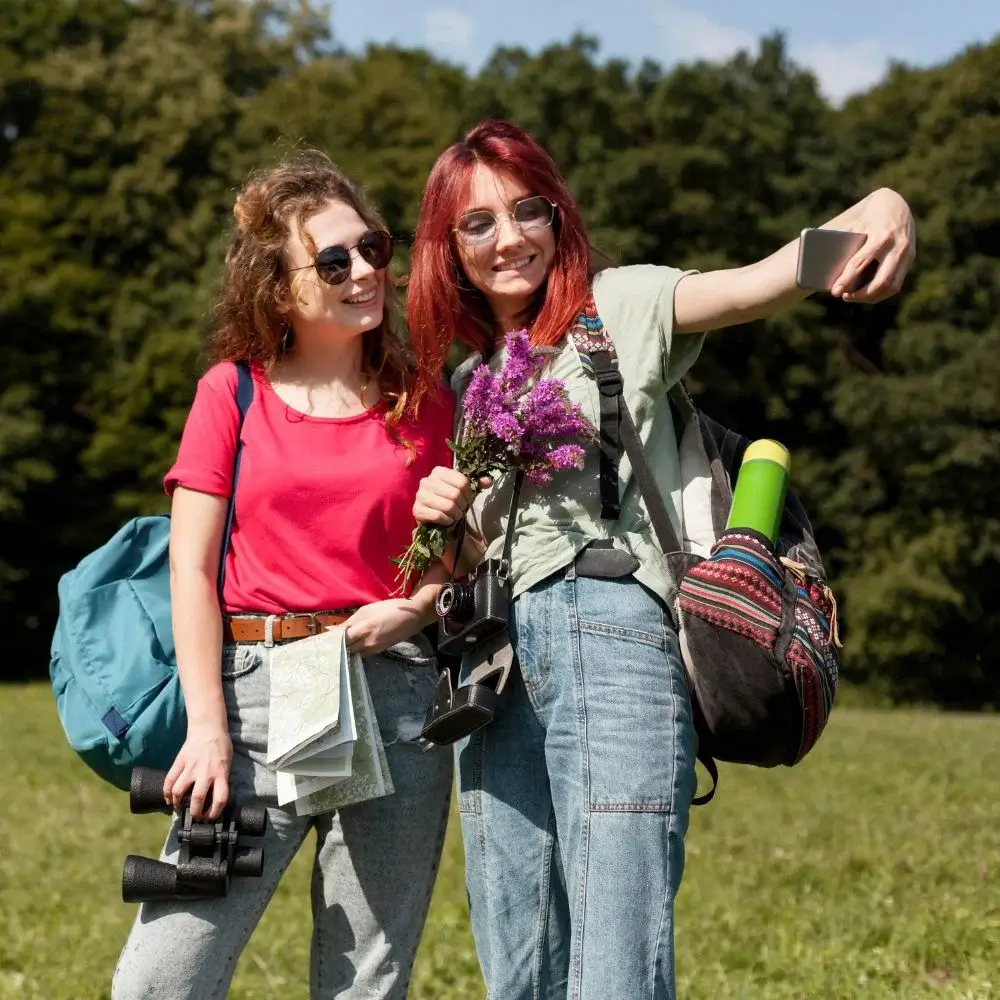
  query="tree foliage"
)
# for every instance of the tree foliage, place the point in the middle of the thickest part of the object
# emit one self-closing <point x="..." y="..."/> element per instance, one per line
<point x="126" y="127"/>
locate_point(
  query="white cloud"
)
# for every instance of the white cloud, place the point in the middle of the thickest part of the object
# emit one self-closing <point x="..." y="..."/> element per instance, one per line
<point x="447" y="29"/>
<point x="690" y="35"/>
<point x="841" y="70"/>
<point x="845" y="71"/>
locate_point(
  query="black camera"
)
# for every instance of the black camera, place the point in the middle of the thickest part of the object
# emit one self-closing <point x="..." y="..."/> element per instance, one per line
<point x="472" y="622"/>
<point x="473" y="610"/>
<point x="210" y="851"/>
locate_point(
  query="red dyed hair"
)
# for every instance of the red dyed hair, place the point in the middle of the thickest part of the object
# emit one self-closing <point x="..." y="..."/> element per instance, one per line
<point x="442" y="306"/>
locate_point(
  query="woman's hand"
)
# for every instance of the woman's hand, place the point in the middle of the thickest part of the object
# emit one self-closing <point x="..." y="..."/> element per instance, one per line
<point x="444" y="496"/>
<point x="201" y="767"/>
<point x="892" y="245"/>
<point x="731" y="296"/>
<point x="378" y="626"/>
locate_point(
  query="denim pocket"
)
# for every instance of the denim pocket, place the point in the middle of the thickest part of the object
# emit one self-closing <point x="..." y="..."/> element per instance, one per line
<point x="530" y="631"/>
<point x="402" y="681"/>
<point x="414" y="653"/>
<point x="239" y="659"/>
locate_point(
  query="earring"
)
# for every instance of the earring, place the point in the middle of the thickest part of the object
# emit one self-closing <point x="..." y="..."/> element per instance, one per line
<point x="287" y="340"/>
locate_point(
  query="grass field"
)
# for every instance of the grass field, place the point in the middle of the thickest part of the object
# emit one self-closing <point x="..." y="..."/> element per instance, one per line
<point x="871" y="870"/>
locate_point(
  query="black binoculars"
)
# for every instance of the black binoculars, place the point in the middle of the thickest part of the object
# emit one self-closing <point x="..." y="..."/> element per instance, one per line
<point x="210" y="851"/>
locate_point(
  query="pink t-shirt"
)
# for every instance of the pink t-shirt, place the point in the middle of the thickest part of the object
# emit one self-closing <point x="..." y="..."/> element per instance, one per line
<point x="322" y="503"/>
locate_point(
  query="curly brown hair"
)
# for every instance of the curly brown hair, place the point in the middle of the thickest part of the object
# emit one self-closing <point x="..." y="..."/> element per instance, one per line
<point x="250" y="325"/>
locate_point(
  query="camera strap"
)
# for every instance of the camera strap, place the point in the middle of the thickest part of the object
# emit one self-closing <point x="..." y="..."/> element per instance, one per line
<point x="508" y="539"/>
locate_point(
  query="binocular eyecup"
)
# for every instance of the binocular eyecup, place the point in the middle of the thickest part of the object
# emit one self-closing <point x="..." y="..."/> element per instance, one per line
<point x="210" y="850"/>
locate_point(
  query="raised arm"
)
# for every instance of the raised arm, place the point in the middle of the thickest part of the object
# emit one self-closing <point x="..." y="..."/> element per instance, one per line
<point x="716" y="299"/>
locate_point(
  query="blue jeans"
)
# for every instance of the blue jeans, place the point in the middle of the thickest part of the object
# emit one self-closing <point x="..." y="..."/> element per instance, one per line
<point x="575" y="801"/>
<point x="374" y="862"/>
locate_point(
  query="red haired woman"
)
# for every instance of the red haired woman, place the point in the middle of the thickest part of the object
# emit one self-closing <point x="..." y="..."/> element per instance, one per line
<point x="575" y="801"/>
<point x="332" y="454"/>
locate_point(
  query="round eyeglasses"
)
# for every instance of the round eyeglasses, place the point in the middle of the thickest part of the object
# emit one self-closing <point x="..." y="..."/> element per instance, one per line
<point x="482" y="226"/>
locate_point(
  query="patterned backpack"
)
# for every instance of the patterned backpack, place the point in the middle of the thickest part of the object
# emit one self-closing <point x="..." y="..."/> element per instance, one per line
<point x="757" y="623"/>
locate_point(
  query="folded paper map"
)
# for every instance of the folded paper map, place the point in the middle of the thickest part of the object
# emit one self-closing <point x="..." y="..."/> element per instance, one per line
<point x="370" y="777"/>
<point x="310" y="713"/>
<point x="323" y="738"/>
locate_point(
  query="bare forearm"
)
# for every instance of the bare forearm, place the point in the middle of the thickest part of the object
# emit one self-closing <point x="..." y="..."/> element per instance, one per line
<point x="425" y="593"/>
<point x="769" y="286"/>
<point x="197" y="627"/>
<point x="738" y="295"/>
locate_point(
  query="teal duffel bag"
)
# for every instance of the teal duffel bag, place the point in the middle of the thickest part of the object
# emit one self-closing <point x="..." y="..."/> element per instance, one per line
<point x="112" y="662"/>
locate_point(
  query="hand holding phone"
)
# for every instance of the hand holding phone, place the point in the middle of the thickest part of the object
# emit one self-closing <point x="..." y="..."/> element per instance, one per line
<point x="823" y="255"/>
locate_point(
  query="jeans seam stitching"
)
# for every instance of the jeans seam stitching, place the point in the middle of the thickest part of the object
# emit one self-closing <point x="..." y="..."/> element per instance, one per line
<point x="429" y="889"/>
<point x="545" y="910"/>
<point x="580" y="914"/>
<point x="658" y="806"/>
<point x="667" y="902"/>
<point x="479" y="739"/>
<point x="635" y="635"/>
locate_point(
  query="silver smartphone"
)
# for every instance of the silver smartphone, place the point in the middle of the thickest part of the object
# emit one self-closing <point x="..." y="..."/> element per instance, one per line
<point x="823" y="255"/>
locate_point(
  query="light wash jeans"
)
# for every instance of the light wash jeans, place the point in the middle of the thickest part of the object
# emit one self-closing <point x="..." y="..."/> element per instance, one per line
<point x="374" y="867"/>
<point x="575" y="801"/>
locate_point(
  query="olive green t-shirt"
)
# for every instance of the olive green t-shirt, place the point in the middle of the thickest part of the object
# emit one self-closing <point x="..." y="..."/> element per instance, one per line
<point x="555" y="522"/>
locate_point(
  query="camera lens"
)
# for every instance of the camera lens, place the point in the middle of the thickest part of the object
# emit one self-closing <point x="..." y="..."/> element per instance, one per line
<point x="456" y="602"/>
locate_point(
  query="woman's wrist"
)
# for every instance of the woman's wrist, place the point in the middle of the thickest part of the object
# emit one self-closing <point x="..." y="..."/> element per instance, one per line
<point x="424" y="607"/>
<point x="207" y="717"/>
<point x="424" y="596"/>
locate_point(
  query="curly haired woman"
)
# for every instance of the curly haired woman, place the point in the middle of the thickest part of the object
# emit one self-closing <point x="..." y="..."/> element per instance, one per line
<point x="332" y="455"/>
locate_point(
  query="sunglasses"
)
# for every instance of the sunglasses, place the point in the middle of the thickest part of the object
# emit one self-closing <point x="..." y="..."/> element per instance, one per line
<point x="333" y="264"/>
<point x="482" y="226"/>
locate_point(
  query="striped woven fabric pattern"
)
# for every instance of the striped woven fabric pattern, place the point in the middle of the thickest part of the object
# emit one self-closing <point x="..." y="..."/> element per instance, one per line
<point x="588" y="335"/>
<point x="739" y="588"/>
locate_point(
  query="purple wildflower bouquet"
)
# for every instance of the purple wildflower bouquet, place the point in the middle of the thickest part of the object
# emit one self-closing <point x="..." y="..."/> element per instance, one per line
<point x="512" y="420"/>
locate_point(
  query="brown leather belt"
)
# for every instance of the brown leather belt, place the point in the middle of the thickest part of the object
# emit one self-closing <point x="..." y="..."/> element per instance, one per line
<point x="253" y="628"/>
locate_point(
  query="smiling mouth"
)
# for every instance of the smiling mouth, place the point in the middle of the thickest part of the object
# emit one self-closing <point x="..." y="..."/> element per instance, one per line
<point x="362" y="298"/>
<point x="515" y="265"/>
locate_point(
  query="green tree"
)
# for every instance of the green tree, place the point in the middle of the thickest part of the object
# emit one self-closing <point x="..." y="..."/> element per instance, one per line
<point x="917" y="491"/>
<point x="118" y="164"/>
<point x="126" y="128"/>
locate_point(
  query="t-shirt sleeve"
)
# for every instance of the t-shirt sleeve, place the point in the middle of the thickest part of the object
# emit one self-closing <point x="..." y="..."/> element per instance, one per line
<point x="679" y="352"/>
<point x="208" y="442"/>
<point x="637" y="305"/>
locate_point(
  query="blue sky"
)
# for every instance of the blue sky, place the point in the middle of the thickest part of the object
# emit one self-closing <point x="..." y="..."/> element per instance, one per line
<point x="846" y="42"/>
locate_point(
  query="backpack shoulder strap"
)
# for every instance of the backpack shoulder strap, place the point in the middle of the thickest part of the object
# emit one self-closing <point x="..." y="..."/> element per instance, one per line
<point x="244" y="397"/>
<point x="598" y="359"/>
<point x="617" y="429"/>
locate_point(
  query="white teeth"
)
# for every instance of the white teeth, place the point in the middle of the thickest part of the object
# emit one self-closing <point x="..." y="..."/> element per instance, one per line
<point x="359" y="300"/>
<point x="513" y="265"/>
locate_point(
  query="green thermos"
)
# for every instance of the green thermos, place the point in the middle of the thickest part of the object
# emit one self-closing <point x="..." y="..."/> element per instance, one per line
<point x="759" y="496"/>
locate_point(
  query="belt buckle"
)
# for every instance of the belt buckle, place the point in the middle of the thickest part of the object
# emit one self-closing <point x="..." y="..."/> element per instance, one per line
<point x="315" y="626"/>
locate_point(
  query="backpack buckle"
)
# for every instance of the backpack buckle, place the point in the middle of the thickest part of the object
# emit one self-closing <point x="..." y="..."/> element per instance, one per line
<point x="609" y="382"/>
